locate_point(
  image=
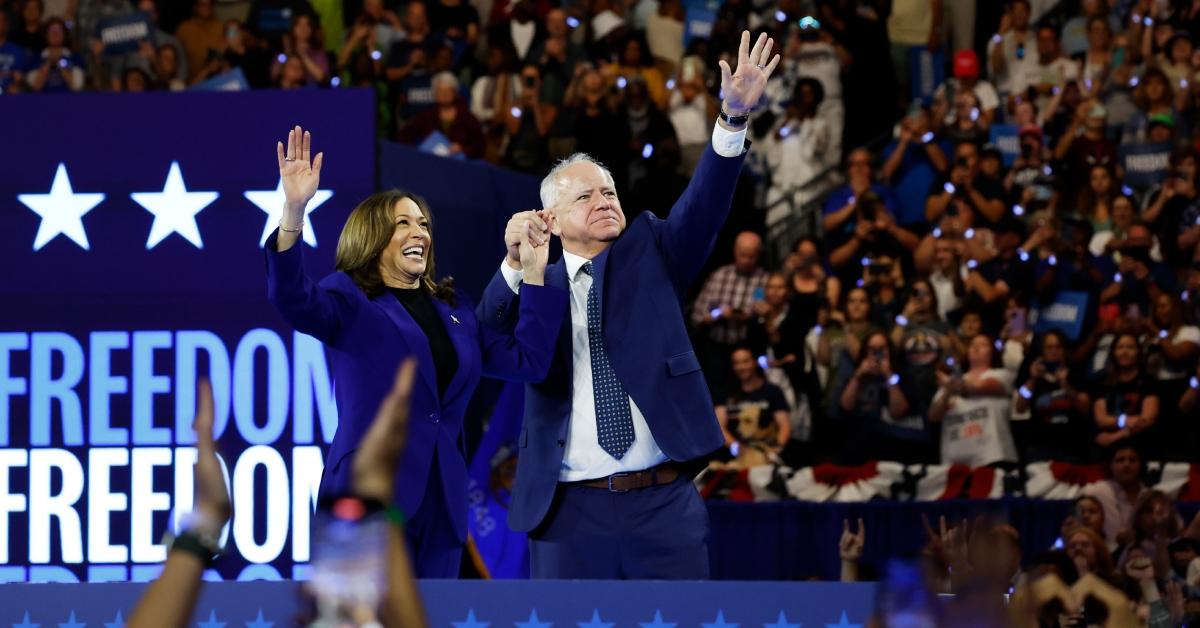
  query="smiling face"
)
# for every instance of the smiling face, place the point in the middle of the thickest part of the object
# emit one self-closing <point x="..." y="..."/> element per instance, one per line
<point x="404" y="259"/>
<point x="588" y="214"/>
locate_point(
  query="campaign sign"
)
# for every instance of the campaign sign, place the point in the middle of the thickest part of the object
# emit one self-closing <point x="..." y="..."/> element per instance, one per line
<point x="927" y="70"/>
<point x="124" y="33"/>
<point x="1064" y="314"/>
<point x="132" y="236"/>
<point x="700" y="17"/>
<point x="231" y="81"/>
<point x="1004" y="136"/>
<point x="1145" y="164"/>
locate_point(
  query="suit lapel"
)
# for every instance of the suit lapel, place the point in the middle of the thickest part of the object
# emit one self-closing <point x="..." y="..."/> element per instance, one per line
<point x="456" y="328"/>
<point x="415" y="338"/>
<point x="556" y="277"/>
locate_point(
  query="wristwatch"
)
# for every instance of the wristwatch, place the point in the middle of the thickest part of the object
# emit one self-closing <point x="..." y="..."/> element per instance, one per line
<point x="739" y="120"/>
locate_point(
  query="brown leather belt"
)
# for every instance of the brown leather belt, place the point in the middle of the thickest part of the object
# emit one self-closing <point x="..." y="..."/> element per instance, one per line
<point x="664" y="473"/>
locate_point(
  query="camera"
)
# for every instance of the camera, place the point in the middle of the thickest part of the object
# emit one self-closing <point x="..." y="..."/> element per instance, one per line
<point x="962" y="162"/>
<point x="879" y="354"/>
<point x="530" y="81"/>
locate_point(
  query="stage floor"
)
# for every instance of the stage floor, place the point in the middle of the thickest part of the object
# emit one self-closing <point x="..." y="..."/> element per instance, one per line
<point x="480" y="604"/>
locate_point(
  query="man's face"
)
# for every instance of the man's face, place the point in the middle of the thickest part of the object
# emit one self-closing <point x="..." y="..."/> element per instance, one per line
<point x="746" y="251"/>
<point x="416" y="18"/>
<point x="744" y="366"/>
<point x="1126" y="466"/>
<point x="1047" y="44"/>
<point x="556" y="23"/>
<point x="588" y="211"/>
<point x="1020" y="16"/>
<point x="858" y="166"/>
<point x="203" y="9"/>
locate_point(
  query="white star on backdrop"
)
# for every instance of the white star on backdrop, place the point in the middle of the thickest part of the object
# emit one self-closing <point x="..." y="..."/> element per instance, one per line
<point x="174" y="209"/>
<point x="61" y="210"/>
<point x="595" y="621"/>
<point x="271" y="202"/>
<point x="782" y="622"/>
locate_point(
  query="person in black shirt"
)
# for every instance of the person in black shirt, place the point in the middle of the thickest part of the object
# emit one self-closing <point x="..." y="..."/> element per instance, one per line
<point x="1125" y="400"/>
<point x="965" y="182"/>
<point x="1057" y="410"/>
<point x="753" y="402"/>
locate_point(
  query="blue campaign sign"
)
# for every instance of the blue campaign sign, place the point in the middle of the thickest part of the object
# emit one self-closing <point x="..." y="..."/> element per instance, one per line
<point x="480" y="604"/>
<point x="926" y="70"/>
<point x="131" y="235"/>
<point x="1065" y="314"/>
<point x="123" y="34"/>
<point x="231" y="81"/>
<point x="1004" y="136"/>
<point x="1145" y="164"/>
<point x="700" y="17"/>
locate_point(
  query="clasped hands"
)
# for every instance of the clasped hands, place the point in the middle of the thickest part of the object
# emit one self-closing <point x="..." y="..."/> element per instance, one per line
<point x="527" y="238"/>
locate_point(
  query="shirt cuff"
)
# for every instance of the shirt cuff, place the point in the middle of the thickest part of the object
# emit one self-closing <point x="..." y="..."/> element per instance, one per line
<point x="512" y="277"/>
<point x="728" y="143"/>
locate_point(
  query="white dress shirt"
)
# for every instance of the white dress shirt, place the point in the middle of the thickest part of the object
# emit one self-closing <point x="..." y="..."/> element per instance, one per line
<point x="583" y="458"/>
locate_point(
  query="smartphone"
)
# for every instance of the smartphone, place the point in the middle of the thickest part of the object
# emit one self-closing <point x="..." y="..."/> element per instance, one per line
<point x="349" y="544"/>
<point x="759" y="293"/>
<point x="1016" y="322"/>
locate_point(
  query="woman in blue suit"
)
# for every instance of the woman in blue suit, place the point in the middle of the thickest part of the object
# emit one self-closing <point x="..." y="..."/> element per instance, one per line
<point x="384" y="305"/>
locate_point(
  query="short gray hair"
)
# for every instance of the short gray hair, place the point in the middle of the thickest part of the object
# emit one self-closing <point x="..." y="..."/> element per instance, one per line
<point x="446" y="78"/>
<point x="549" y="189"/>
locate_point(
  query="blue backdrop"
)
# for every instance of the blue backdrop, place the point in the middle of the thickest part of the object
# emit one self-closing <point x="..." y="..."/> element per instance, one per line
<point x="130" y="235"/>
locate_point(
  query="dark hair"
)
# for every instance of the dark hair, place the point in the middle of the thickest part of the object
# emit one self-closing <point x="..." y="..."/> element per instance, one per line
<point x="366" y="234"/>
<point x="817" y="88"/>
<point x="1110" y="377"/>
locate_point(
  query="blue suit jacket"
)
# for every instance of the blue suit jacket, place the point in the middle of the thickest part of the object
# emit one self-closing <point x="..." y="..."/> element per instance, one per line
<point x="643" y="277"/>
<point x="366" y="339"/>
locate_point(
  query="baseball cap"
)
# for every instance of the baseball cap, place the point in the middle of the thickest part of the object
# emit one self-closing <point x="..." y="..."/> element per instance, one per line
<point x="966" y="64"/>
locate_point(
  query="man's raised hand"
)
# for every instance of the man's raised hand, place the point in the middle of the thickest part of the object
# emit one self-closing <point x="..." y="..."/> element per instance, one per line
<point x="743" y="87"/>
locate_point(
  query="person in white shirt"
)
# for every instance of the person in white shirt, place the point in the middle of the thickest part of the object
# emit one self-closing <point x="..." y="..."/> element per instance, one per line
<point x="1013" y="50"/>
<point x="1119" y="494"/>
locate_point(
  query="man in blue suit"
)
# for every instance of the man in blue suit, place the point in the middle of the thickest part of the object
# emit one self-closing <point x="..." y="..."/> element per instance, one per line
<point x="603" y="481"/>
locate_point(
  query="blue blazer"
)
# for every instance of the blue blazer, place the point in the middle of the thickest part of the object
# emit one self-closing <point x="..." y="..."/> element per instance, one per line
<point x="644" y="277"/>
<point x="367" y="338"/>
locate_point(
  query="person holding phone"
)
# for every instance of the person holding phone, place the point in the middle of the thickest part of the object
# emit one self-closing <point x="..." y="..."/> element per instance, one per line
<point x="385" y="304"/>
<point x="724" y="307"/>
<point x="875" y="402"/>
<point x="1050" y="407"/>
<point x="527" y="121"/>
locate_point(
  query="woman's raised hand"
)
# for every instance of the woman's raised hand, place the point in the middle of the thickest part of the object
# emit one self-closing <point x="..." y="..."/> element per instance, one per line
<point x="301" y="174"/>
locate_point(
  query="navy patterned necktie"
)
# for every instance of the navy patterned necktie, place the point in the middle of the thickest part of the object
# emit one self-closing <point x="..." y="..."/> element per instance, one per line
<point x="614" y="421"/>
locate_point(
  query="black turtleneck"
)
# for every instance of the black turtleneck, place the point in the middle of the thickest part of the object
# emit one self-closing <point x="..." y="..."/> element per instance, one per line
<point x="420" y="306"/>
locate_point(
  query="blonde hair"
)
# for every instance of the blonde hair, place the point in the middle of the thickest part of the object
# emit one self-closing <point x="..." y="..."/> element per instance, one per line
<point x="366" y="234"/>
